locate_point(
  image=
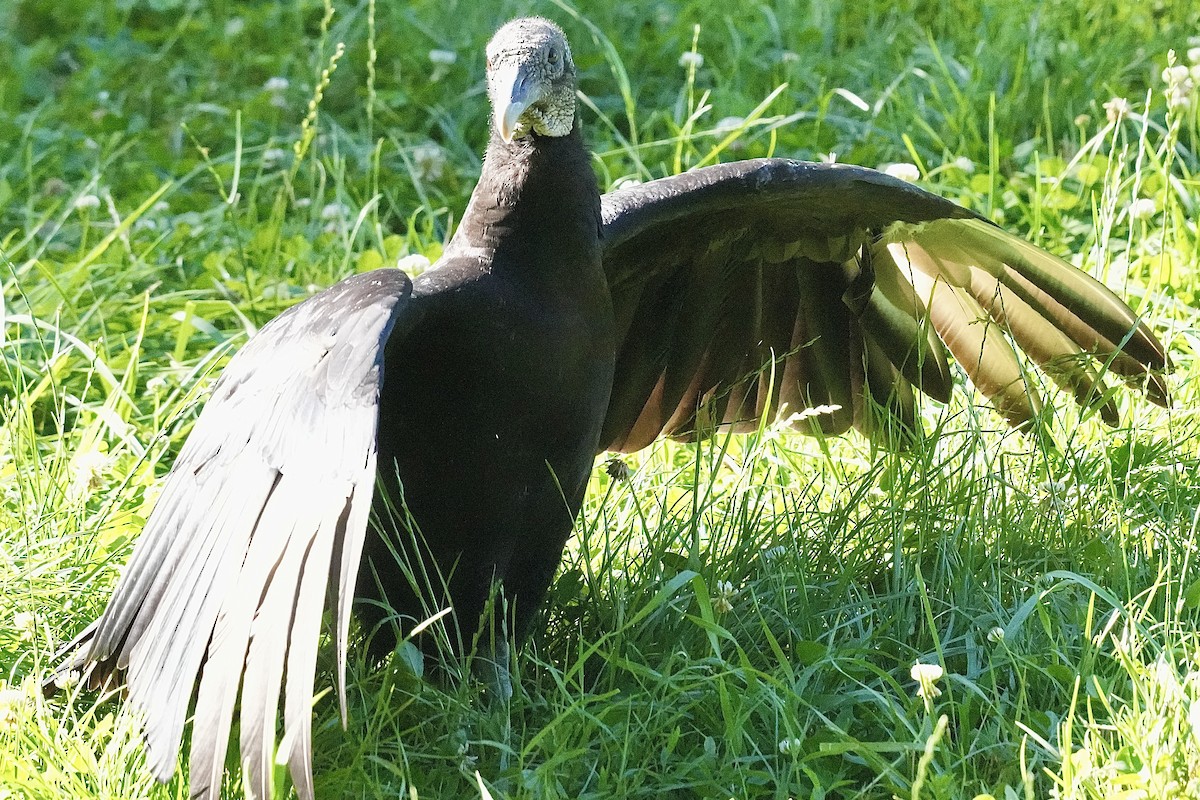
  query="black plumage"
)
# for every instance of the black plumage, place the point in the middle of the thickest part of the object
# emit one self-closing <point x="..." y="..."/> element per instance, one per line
<point x="558" y="324"/>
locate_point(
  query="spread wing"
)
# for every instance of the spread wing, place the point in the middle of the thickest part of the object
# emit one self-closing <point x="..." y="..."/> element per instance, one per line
<point x="756" y="287"/>
<point x="264" y="508"/>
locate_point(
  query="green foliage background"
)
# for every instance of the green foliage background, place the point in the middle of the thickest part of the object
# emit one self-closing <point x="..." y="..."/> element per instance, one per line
<point x="737" y="619"/>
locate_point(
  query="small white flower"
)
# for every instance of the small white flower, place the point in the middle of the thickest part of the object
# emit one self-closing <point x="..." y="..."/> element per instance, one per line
<point x="275" y="155"/>
<point x="1193" y="55"/>
<point x="1142" y="208"/>
<point x="161" y="207"/>
<point x="234" y="26"/>
<point x="723" y="603"/>
<point x="86" y="202"/>
<point x="792" y="745"/>
<point x="690" y="59"/>
<point x="429" y="161"/>
<point x="927" y="676"/>
<point x="772" y="553"/>
<point x="904" y="171"/>
<point x="103" y="96"/>
<point x="827" y="158"/>
<point x="625" y="182"/>
<point x="87" y="472"/>
<point x="25" y="624"/>
<point x="413" y="263"/>
<point x="332" y="211"/>
<point x="11" y="703"/>
<point x="303" y="202"/>
<point x="995" y="635"/>
<point x="965" y="164"/>
<point x="1117" y="109"/>
<point x="276" y="85"/>
<point x="1053" y="487"/>
<point x="66" y="680"/>
<point x="788" y="57"/>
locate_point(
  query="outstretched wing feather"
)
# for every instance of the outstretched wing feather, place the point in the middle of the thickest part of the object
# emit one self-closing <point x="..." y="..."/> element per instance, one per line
<point x="230" y="575"/>
<point x="815" y="225"/>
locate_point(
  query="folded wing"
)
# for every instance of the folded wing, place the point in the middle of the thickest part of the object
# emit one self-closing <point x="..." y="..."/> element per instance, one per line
<point x="772" y="286"/>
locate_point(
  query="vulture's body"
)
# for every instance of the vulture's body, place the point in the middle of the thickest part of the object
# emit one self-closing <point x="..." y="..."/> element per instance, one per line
<point x="558" y="324"/>
<point x="498" y="393"/>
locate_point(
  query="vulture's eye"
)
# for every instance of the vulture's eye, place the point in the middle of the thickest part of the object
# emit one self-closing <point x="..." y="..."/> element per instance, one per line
<point x="553" y="56"/>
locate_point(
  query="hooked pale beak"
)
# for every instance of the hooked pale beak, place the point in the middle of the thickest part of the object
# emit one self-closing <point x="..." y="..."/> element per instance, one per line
<point x="512" y="91"/>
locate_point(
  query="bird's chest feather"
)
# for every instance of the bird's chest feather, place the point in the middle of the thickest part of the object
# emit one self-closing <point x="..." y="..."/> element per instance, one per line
<point x="501" y="373"/>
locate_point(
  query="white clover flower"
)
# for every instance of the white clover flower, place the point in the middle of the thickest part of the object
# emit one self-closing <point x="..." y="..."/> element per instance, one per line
<point x="1116" y="109"/>
<point x="276" y="85"/>
<point x="792" y="745"/>
<point x="690" y="59"/>
<point x="1142" y="208"/>
<point x="87" y="202"/>
<point x="927" y="676"/>
<point x="996" y="635"/>
<point x="67" y="680"/>
<point x="723" y="603"/>
<point x="25" y="624"/>
<point x="773" y="553"/>
<point x="904" y="171"/>
<point x="334" y="211"/>
<point x="87" y="472"/>
<point x="413" y="263"/>
<point x="303" y="202"/>
<point x="1193" y="55"/>
<point x="11" y="703"/>
<point x="275" y="155"/>
<point x="827" y="158"/>
<point x="1053" y="487"/>
<point x="429" y="161"/>
<point x="965" y="164"/>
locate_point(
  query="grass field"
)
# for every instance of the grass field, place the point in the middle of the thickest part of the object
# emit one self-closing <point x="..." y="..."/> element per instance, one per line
<point x="738" y="619"/>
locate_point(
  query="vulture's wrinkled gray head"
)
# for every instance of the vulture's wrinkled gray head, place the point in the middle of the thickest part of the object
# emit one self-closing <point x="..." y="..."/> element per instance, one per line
<point x="531" y="79"/>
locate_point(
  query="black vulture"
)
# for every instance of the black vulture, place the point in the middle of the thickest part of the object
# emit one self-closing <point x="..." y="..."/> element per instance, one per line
<point x="559" y="324"/>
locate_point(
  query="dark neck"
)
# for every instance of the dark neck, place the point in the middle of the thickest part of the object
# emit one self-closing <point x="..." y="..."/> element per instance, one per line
<point x="537" y="197"/>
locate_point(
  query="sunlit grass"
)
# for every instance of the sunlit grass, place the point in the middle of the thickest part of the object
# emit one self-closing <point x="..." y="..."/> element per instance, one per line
<point x="738" y="618"/>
